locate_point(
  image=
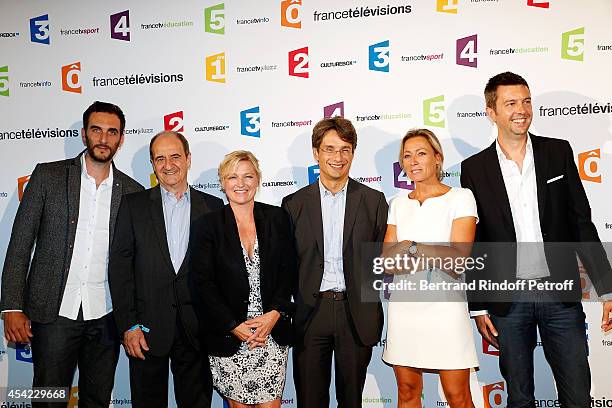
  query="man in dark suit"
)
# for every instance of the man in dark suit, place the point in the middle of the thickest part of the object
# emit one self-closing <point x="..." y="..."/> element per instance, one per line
<point x="528" y="190"/>
<point x="59" y="300"/>
<point x="331" y="219"/>
<point x="148" y="273"/>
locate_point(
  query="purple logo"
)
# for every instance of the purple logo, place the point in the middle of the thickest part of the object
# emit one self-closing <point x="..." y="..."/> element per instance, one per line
<point x="120" y="26"/>
<point x="400" y="179"/>
<point x="467" y="51"/>
<point x="337" y="109"/>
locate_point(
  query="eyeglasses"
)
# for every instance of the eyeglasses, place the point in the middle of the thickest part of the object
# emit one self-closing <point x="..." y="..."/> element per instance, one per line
<point x="344" y="151"/>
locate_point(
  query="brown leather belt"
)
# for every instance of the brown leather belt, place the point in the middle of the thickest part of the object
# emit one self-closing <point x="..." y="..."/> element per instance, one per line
<point x="330" y="294"/>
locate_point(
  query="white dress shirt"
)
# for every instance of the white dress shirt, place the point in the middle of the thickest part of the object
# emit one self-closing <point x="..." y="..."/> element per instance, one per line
<point x="332" y="214"/>
<point x="87" y="283"/>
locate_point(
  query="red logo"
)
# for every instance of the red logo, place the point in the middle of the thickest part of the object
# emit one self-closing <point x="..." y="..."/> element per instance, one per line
<point x="22" y="182"/>
<point x="298" y="62"/>
<point x="494" y="395"/>
<point x="174" y="122"/>
<point x="540" y="4"/>
<point x="487" y="348"/>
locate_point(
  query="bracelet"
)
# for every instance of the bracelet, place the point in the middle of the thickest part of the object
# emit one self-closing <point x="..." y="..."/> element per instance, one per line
<point x="139" y="326"/>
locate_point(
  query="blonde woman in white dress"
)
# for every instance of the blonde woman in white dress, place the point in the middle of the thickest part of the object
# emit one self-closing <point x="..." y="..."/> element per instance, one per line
<point x="432" y="335"/>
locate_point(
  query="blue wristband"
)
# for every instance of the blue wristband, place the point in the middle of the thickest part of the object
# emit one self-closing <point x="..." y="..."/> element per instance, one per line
<point x="136" y="326"/>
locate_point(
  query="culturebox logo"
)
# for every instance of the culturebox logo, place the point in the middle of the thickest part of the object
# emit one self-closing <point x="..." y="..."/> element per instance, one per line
<point x="495" y="395"/>
<point x="250" y="122"/>
<point x="313" y="173"/>
<point x="120" y="26"/>
<point x="378" y="56"/>
<point x="335" y="109"/>
<point x="540" y="4"/>
<point x="447" y="6"/>
<point x="291" y="13"/>
<point x="214" y="19"/>
<point x="400" y="178"/>
<point x="298" y="63"/>
<point x="572" y="45"/>
<point x="71" y="77"/>
<point x="588" y="165"/>
<point x="434" y="111"/>
<point x="22" y="182"/>
<point x="39" y="30"/>
<point x="4" y="81"/>
<point x="467" y="51"/>
<point x="173" y="122"/>
<point x="215" y="68"/>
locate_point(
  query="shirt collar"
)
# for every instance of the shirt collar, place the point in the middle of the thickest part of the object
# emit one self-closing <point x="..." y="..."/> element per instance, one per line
<point x="106" y="182"/>
<point x="166" y="195"/>
<point x="325" y="192"/>
<point x="501" y="157"/>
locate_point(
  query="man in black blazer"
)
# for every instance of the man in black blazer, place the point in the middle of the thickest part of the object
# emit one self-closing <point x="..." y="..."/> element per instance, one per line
<point x="148" y="273"/>
<point x="528" y="190"/>
<point x="331" y="219"/>
<point x="58" y="299"/>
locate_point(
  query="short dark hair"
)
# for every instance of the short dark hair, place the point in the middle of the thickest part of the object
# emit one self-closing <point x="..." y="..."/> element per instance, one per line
<point x="105" y="107"/>
<point x="179" y="135"/>
<point x="344" y="128"/>
<point x="503" y="79"/>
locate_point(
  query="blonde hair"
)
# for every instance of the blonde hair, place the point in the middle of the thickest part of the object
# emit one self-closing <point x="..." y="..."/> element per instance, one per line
<point x="433" y="142"/>
<point x="231" y="160"/>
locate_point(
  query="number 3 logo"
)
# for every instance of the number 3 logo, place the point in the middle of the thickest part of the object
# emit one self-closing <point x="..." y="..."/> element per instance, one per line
<point x="379" y="56"/>
<point x="250" y="122"/>
<point x="39" y="30"/>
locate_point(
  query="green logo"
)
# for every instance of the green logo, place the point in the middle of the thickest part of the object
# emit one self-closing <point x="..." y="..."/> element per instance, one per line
<point x="214" y="19"/>
<point x="434" y="113"/>
<point x="4" y="81"/>
<point x="572" y="44"/>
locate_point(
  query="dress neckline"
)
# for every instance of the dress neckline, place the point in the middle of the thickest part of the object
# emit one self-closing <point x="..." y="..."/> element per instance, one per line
<point x="428" y="198"/>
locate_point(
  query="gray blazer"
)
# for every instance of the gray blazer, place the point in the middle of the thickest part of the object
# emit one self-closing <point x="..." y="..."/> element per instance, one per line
<point x="47" y="217"/>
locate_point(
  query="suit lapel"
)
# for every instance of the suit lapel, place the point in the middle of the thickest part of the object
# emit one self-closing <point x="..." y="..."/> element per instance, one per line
<point x="313" y="209"/>
<point x="353" y="199"/>
<point x="115" y="200"/>
<point x="157" y="218"/>
<point x="263" y="238"/>
<point x="497" y="187"/>
<point x="540" y="161"/>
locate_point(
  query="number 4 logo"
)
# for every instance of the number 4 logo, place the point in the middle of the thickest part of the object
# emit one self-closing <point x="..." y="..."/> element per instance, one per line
<point x="120" y="26"/>
<point x="467" y="51"/>
<point x="572" y="45"/>
<point x="298" y="62"/>
<point x="214" y="19"/>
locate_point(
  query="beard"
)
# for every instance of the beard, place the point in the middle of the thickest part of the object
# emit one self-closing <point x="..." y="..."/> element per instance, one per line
<point x="107" y="154"/>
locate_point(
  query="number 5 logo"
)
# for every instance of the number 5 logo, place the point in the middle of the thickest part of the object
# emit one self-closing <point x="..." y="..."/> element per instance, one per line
<point x="120" y="26"/>
<point x="379" y="56"/>
<point x="298" y="62"/>
<point x="250" y="122"/>
<point x="4" y="81"/>
<point x="215" y="68"/>
<point x="174" y="122"/>
<point x="467" y="51"/>
<point x="71" y="78"/>
<point x="39" y="29"/>
<point x="290" y="13"/>
<point x="433" y="111"/>
<point x="572" y="45"/>
<point x="214" y="19"/>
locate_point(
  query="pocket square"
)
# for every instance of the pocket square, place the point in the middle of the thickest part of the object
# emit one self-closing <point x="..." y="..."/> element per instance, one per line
<point x="554" y="179"/>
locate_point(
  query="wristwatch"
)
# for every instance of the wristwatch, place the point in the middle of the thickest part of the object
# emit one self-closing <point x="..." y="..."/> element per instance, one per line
<point x="412" y="249"/>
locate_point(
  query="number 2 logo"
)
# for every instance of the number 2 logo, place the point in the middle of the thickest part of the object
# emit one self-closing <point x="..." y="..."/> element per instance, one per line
<point x="298" y="62"/>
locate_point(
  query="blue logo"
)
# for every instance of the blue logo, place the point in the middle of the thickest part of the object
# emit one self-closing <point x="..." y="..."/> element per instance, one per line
<point x="313" y="173"/>
<point x="250" y="122"/>
<point x="379" y="56"/>
<point x="23" y="352"/>
<point x="39" y="29"/>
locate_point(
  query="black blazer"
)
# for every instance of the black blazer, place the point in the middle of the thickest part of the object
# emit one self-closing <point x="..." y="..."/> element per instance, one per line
<point x="220" y="277"/>
<point x="565" y="217"/>
<point x="365" y="221"/>
<point x="144" y="287"/>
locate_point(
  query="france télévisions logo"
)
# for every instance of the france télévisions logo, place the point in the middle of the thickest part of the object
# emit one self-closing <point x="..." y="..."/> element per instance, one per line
<point x="447" y="6"/>
<point x="400" y="178"/>
<point x="71" y="77"/>
<point x="313" y="173"/>
<point x="378" y="56"/>
<point x="588" y="165"/>
<point x="173" y="122"/>
<point x="215" y="68"/>
<point x="540" y="4"/>
<point x="335" y="109"/>
<point x="250" y="122"/>
<point x="39" y="29"/>
<point x="298" y="63"/>
<point x="495" y="395"/>
<point x="467" y="51"/>
<point x="22" y="182"/>
<point x="120" y="26"/>
<point x="290" y="13"/>
<point x="4" y="81"/>
<point x="214" y="19"/>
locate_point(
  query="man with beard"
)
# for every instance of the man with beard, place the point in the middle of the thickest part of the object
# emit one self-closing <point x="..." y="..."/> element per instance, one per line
<point x="58" y="300"/>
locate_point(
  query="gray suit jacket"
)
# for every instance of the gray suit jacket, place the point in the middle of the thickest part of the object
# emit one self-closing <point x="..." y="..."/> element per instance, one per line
<point x="365" y="221"/>
<point x="47" y="216"/>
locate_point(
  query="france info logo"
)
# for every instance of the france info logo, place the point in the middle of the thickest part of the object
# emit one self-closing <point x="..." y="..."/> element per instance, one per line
<point x="313" y="173"/>
<point x="39" y="29"/>
<point x="290" y="13"/>
<point x="379" y="56"/>
<point x="120" y="26"/>
<point x="250" y="122"/>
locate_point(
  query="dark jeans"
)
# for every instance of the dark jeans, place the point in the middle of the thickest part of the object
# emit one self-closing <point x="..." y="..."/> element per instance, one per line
<point x="563" y="335"/>
<point x="60" y="347"/>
